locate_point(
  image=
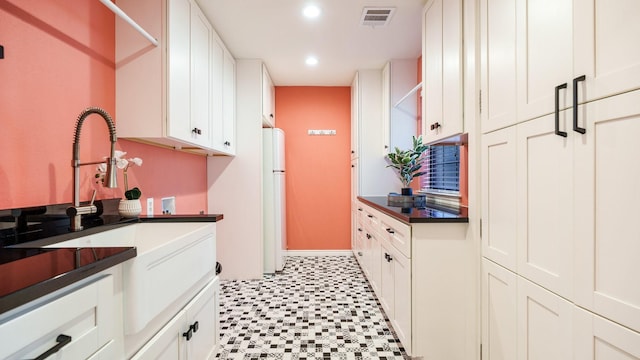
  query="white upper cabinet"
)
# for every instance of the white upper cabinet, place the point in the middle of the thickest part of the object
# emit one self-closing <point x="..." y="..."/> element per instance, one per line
<point x="399" y="104"/>
<point x="575" y="50"/>
<point x="223" y="98"/>
<point x="169" y="95"/>
<point x="497" y="64"/>
<point x="355" y="116"/>
<point x="268" y="100"/>
<point x="442" y="70"/>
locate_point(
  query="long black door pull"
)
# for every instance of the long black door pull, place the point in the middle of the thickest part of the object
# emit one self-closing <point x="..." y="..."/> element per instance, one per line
<point x="558" y="132"/>
<point x="577" y="128"/>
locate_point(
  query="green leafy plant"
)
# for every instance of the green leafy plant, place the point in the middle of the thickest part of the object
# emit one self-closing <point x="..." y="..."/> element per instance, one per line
<point x="408" y="163"/>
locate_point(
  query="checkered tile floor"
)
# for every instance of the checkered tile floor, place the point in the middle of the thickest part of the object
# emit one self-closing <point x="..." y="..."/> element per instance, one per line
<point x="318" y="308"/>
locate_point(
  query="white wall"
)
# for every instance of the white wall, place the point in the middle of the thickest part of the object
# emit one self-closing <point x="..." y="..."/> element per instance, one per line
<point x="235" y="183"/>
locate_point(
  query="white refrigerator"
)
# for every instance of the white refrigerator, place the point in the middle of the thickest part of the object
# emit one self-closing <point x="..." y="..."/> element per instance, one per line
<point x="274" y="200"/>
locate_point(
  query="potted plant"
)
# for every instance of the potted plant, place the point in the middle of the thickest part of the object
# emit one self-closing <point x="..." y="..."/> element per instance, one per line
<point x="131" y="206"/>
<point x="408" y="163"/>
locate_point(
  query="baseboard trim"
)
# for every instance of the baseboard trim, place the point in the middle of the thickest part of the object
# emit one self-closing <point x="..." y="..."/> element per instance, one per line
<point x="318" y="253"/>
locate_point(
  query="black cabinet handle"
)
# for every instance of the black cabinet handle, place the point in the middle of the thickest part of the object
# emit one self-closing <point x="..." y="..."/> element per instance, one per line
<point x="558" y="132"/>
<point x="353" y="166"/>
<point x="388" y="257"/>
<point x="576" y="128"/>
<point x="368" y="236"/>
<point x="370" y="216"/>
<point x="359" y="209"/>
<point x="390" y="231"/>
<point x="353" y="152"/>
<point x="359" y="253"/>
<point x="435" y="125"/>
<point x="271" y="116"/>
<point x="226" y="143"/>
<point x="195" y="326"/>
<point x="359" y="229"/>
<point x="62" y="340"/>
<point x="188" y="334"/>
<point x="197" y="131"/>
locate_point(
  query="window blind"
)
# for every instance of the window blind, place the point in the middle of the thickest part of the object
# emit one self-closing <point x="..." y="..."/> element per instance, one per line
<point x="442" y="164"/>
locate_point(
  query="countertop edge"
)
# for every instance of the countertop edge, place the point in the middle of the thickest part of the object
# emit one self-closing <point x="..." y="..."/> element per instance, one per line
<point x="36" y="291"/>
<point x="410" y="219"/>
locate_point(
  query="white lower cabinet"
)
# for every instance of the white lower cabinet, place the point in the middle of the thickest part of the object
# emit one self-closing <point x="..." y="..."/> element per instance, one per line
<point x="544" y="323"/>
<point x="193" y="333"/>
<point x="79" y="323"/>
<point x="499" y="293"/>
<point x="596" y="338"/>
<point x="424" y="277"/>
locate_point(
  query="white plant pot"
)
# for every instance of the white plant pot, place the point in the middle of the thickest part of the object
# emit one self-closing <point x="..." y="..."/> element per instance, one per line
<point x="129" y="208"/>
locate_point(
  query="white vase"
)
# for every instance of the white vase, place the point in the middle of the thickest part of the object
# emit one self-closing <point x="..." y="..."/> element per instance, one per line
<point x="129" y="208"/>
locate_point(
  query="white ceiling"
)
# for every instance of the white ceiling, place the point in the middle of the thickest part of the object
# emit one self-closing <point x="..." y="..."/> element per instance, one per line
<point x="276" y="32"/>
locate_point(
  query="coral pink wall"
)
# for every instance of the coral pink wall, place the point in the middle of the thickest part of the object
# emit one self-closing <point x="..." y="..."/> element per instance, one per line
<point x="59" y="59"/>
<point x="318" y="167"/>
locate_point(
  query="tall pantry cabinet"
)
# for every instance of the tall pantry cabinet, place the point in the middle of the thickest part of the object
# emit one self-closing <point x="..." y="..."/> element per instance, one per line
<point x="560" y="179"/>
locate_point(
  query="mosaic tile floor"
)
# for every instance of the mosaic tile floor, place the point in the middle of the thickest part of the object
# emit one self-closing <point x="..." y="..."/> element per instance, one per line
<point x="318" y="308"/>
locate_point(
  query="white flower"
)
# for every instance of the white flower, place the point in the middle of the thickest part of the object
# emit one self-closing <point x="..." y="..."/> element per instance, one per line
<point x="121" y="163"/>
<point x="136" y="161"/>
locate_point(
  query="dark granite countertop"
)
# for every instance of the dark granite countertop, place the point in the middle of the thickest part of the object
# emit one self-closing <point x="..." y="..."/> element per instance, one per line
<point x="428" y="214"/>
<point x="29" y="271"/>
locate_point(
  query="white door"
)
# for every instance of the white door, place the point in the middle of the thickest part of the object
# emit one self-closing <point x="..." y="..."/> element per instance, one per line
<point x="178" y="62"/>
<point x="607" y="178"/>
<point x="498" y="64"/>
<point x="229" y="103"/>
<point x="545" y="204"/>
<point x="596" y="338"/>
<point x="545" y="55"/>
<point x="387" y="280"/>
<point x="280" y="208"/>
<point x="202" y="320"/>
<point x="544" y="324"/>
<point x="442" y="69"/>
<point x="200" y="74"/>
<point x="603" y="52"/>
<point x="167" y="344"/>
<point x="499" y="293"/>
<point x="402" y="299"/>
<point x="499" y="197"/>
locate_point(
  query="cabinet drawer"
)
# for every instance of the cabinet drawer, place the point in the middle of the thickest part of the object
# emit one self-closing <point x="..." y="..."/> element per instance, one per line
<point x="86" y="315"/>
<point x="397" y="233"/>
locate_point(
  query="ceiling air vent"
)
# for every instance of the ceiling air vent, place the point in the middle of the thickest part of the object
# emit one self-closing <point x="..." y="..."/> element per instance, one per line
<point x="376" y="16"/>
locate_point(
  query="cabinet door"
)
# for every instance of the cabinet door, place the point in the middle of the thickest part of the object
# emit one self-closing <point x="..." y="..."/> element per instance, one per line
<point x="386" y="109"/>
<point x="545" y="55"/>
<point x="499" y="197"/>
<point x="200" y="78"/>
<point x="603" y="52"/>
<point x="545" y="204"/>
<point x="229" y="104"/>
<point x="387" y="280"/>
<point x="499" y="294"/>
<point x="544" y="324"/>
<point x="498" y="64"/>
<point x="596" y="338"/>
<point x="179" y="68"/>
<point x="202" y="317"/>
<point x="167" y="344"/>
<point x="402" y="298"/>
<point x="268" y="100"/>
<point x="217" y="94"/>
<point x="606" y="212"/>
<point x="442" y="70"/>
<point x="355" y="116"/>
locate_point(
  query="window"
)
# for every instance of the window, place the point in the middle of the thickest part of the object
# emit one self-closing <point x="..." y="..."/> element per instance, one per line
<point x="442" y="163"/>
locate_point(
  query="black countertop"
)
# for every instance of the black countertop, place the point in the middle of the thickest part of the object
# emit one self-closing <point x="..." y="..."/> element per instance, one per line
<point x="428" y="214"/>
<point x="29" y="271"/>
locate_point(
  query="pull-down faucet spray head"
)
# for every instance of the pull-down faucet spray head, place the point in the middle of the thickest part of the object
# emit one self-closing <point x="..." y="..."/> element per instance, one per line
<point x="76" y="210"/>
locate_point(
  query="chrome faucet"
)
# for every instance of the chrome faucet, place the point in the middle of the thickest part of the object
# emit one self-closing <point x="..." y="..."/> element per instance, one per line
<point x="76" y="211"/>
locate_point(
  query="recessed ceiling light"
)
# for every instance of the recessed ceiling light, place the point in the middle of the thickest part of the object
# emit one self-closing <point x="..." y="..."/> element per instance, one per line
<point x="311" y="11"/>
<point x="311" y="61"/>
